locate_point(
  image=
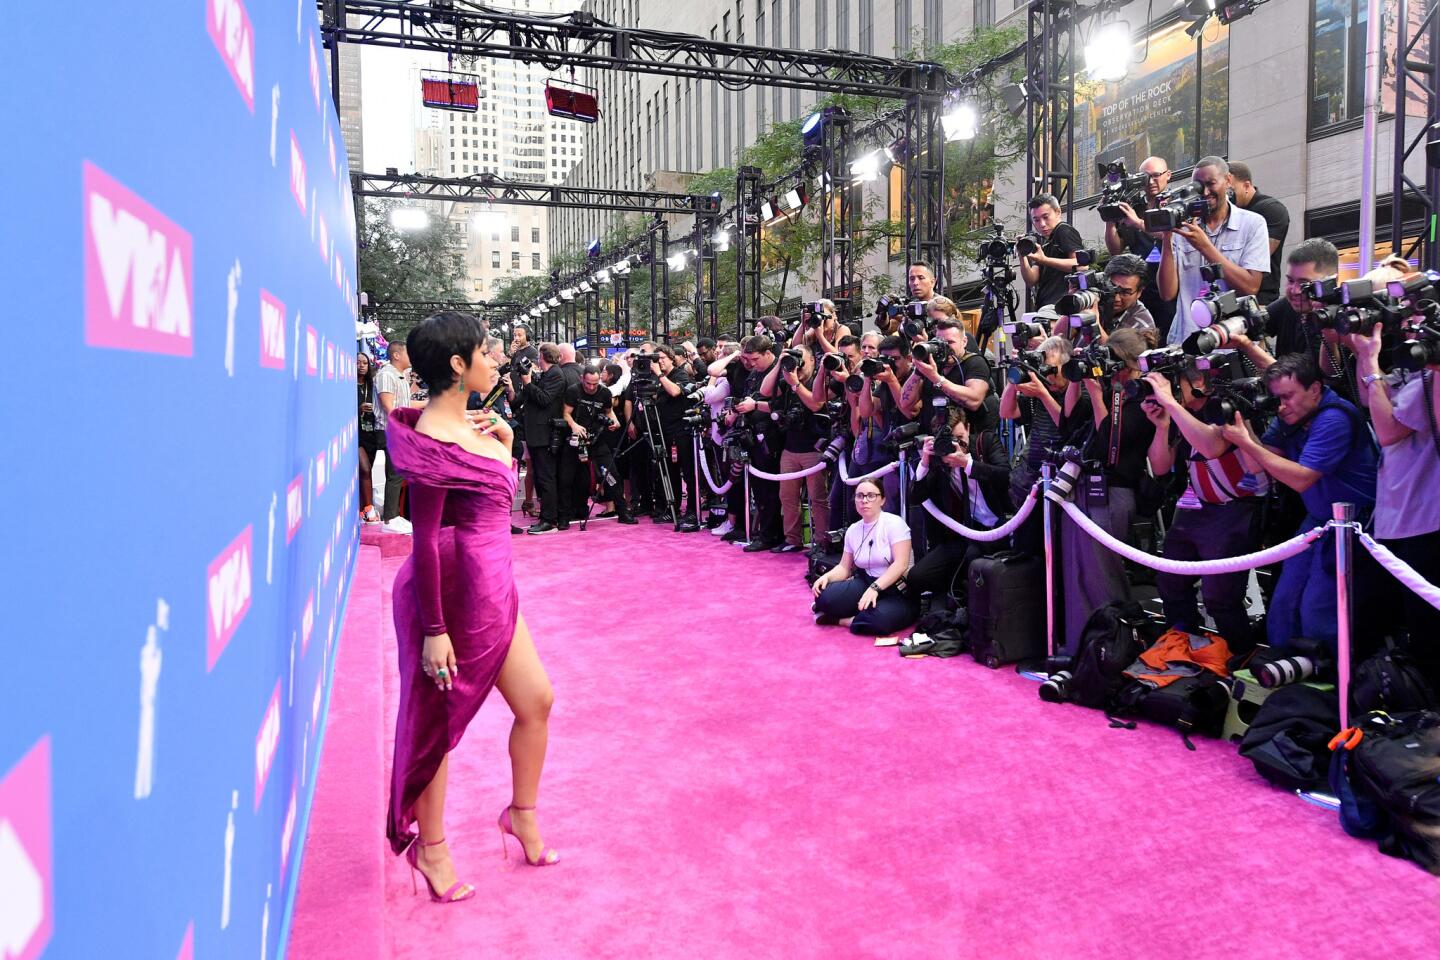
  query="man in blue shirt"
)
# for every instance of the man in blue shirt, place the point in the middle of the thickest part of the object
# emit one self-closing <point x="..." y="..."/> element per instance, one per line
<point x="1320" y="447"/>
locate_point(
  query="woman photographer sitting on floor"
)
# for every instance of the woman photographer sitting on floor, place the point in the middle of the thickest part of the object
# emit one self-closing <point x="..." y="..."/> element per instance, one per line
<point x="968" y="478"/>
<point x="862" y="592"/>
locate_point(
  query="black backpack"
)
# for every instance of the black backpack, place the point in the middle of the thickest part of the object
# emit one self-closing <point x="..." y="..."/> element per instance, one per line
<point x="1397" y="765"/>
<point x="1113" y="638"/>
<point x="1191" y="704"/>
<point x="1390" y="682"/>
<point x="1289" y="740"/>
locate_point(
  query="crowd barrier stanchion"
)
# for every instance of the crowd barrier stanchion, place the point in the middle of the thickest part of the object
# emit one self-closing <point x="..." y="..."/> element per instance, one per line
<point x="748" y="509"/>
<point x="1047" y="474"/>
<point x="1344" y="514"/>
<point x="695" y="498"/>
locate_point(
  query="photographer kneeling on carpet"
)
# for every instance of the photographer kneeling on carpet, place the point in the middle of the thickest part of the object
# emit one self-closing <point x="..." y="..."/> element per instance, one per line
<point x="862" y="592"/>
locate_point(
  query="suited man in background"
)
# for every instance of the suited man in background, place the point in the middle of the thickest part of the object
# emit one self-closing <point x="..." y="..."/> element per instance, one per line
<point x="543" y="389"/>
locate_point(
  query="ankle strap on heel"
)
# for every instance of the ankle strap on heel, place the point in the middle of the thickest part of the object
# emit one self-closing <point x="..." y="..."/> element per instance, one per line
<point x="428" y="843"/>
<point x="516" y="806"/>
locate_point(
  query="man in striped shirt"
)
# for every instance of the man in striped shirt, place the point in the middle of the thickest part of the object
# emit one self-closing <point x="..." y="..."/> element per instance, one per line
<point x="1219" y="514"/>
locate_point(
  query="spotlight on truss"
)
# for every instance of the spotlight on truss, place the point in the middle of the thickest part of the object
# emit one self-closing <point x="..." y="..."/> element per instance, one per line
<point x="585" y="287"/>
<point x="553" y="302"/>
<point x="1107" y="55"/>
<point x="870" y="167"/>
<point x="535" y="312"/>
<point x="1015" y="95"/>
<point x="960" y="122"/>
<point x="409" y="218"/>
<point x="898" y="150"/>
<point x="721" y="239"/>
<point x="592" y="250"/>
<point x="602" y="276"/>
<point x="678" y="260"/>
<point x="768" y="210"/>
<point x="795" y="197"/>
<point x="567" y="294"/>
<point x="621" y="267"/>
<point x="489" y="220"/>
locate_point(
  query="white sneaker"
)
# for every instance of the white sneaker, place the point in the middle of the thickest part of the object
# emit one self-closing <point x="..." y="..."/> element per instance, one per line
<point x="399" y="525"/>
<point x="723" y="529"/>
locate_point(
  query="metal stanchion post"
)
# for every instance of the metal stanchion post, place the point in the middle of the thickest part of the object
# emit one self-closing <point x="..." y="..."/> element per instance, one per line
<point x="697" y="492"/>
<point x="1344" y="517"/>
<point x="1047" y="473"/>
<point x="748" y="510"/>
<point x="904" y="485"/>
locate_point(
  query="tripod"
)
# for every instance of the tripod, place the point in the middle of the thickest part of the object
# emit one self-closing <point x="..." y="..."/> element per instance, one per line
<point x="651" y="428"/>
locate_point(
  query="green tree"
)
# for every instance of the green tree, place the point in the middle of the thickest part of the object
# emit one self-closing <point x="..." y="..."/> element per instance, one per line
<point x="396" y="265"/>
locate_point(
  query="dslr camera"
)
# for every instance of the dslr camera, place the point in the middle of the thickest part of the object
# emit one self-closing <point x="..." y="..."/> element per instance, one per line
<point x="1178" y="206"/>
<point x="1117" y="187"/>
<point x="790" y="359"/>
<point x="1163" y="360"/>
<point x="1359" y="306"/>
<point x="1220" y="316"/>
<point x="1017" y="365"/>
<point x="874" y="366"/>
<point x="520" y="364"/>
<point x="937" y="352"/>
<point x="1096" y="362"/>
<point x="813" y="314"/>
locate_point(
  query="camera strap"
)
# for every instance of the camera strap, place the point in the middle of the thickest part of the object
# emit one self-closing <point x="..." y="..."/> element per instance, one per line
<point x="1117" y="407"/>
<point x="1427" y="377"/>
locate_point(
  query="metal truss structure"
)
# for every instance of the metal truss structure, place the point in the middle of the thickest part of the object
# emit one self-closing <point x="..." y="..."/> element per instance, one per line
<point x="1418" y="71"/>
<point x="484" y="188"/>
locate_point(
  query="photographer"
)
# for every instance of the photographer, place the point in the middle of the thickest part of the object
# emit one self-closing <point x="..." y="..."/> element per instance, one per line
<point x="589" y="412"/>
<point x="542" y="392"/>
<point x="1402" y="410"/>
<point x="637" y="460"/>
<point x="1128" y="235"/>
<point x="967" y="476"/>
<point x="865" y="591"/>
<point x="1277" y="223"/>
<point x="677" y="451"/>
<point x="1235" y="239"/>
<point x="818" y="328"/>
<point x="1320" y="447"/>
<point x="796" y="394"/>
<point x="758" y="356"/>
<point x="947" y="371"/>
<point x="1049" y="254"/>
<point x="1114" y="465"/>
<point x="878" y="410"/>
<point x="1219" y="514"/>
<point x="919" y="284"/>
<point x="1126" y="309"/>
<point x="1037" y="402"/>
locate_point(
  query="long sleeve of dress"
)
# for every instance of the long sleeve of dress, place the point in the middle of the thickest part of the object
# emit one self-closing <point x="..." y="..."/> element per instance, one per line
<point x="427" y="506"/>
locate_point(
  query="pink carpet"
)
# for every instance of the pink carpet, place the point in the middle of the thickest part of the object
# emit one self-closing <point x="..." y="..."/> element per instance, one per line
<point x="727" y="780"/>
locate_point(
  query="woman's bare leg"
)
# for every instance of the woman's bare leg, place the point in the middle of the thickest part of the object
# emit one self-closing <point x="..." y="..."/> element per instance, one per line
<point x="435" y="860"/>
<point x="367" y="491"/>
<point x="526" y="688"/>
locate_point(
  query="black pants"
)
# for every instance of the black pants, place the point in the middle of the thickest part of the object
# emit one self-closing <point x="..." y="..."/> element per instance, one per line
<point x="892" y="611"/>
<point x="946" y="563"/>
<point x="542" y="462"/>
<point x="682" y="468"/>
<point x="639" y="469"/>
<point x="1214" y="532"/>
<point x="1422" y="621"/>
<point x="768" y="524"/>
<point x="577" y="477"/>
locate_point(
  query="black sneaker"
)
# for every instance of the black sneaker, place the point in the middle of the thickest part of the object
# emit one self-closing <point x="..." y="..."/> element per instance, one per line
<point x="787" y="548"/>
<point x="759" y="545"/>
<point x="629" y="521"/>
<point x="607" y="515"/>
<point x="514" y="529"/>
<point x="563" y="525"/>
<point x="734" y="536"/>
<point x="689" y="525"/>
<point x="540" y="527"/>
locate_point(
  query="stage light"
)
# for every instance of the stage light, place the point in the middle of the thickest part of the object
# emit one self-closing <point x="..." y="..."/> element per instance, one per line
<point x="677" y="260"/>
<point x="621" y="267"/>
<point x="898" y="150"/>
<point x="567" y="294"/>
<point x="1197" y="9"/>
<point x="592" y="250"/>
<point x="602" y="276"/>
<point x="796" y="197"/>
<point x="812" y="130"/>
<point x="721" y="239"/>
<point x="409" y="218"/>
<point x="576" y="104"/>
<point x="1107" y="55"/>
<point x="1015" y="95"/>
<point x="489" y="220"/>
<point x="767" y="210"/>
<point x="868" y="167"/>
<point x="543" y="309"/>
<point x="535" y="312"/>
<point x="961" y="122"/>
<point x="585" y="287"/>
<point x="553" y="302"/>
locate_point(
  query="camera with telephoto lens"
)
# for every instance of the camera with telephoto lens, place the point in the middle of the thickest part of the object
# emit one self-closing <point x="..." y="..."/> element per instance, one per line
<point x="937" y="352"/>
<point x="1421" y="351"/>
<point x="1028" y="243"/>
<point x="904" y="436"/>
<point x="813" y="314"/>
<point x="1181" y="205"/>
<point x="1098" y="293"/>
<point x="1162" y="360"/>
<point x="1026" y="329"/>
<point x="1247" y="396"/>
<point x="1070" y="463"/>
<point x="791" y="359"/>
<point x="874" y="366"/>
<point x="1096" y="362"/>
<point x="559" y="435"/>
<point x="855" y="383"/>
<point x="1221" y="316"/>
<point x="1117" y="187"/>
<point x="1017" y="365"/>
<point x="833" y="418"/>
<point x="833" y="362"/>
<point x="895" y="306"/>
<point x="1056" y="688"/>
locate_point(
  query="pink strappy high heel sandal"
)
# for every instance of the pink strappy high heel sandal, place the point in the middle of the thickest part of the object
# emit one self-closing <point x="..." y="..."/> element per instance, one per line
<point x="548" y="856"/>
<point x="453" y="895"/>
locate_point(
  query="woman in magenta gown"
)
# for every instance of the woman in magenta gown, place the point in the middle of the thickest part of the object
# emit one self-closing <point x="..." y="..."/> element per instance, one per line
<point x="457" y="615"/>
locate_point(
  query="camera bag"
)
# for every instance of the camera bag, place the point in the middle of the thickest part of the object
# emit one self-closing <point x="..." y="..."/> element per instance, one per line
<point x="1390" y="681"/>
<point x="1397" y="766"/>
<point x="1114" y="636"/>
<point x="1007" y="624"/>
<point x="1289" y="739"/>
<point x="1190" y="704"/>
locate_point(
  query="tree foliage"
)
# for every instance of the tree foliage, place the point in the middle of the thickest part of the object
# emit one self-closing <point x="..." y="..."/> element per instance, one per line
<point x="396" y="265"/>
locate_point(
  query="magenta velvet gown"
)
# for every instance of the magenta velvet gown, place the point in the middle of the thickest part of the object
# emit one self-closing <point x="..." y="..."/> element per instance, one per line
<point x="457" y="580"/>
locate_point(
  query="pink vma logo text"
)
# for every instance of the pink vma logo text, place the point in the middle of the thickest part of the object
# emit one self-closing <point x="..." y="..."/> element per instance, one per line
<point x="265" y="743"/>
<point x="139" y="273"/>
<point x="297" y="171"/>
<point x="272" y="331"/>
<point x="234" y="37"/>
<point x="228" y="585"/>
<point x="294" y="508"/>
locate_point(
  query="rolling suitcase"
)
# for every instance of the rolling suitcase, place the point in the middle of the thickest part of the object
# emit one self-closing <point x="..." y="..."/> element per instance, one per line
<point x="1007" y="608"/>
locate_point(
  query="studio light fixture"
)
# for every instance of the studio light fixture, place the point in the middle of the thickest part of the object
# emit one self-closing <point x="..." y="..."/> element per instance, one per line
<point x="870" y="167"/>
<point x="1107" y="55"/>
<point x="567" y="294"/>
<point x="721" y="239"/>
<point x="585" y="287"/>
<point x="602" y="276"/>
<point x="678" y="260"/>
<point x="961" y="121"/>
<point x="489" y="220"/>
<point x="535" y="312"/>
<point x="621" y="267"/>
<point x="553" y="302"/>
<point x="1015" y="95"/>
<point x="409" y="218"/>
<point x="768" y="208"/>
<point x="898" y="150"/>
<point x="592" y="249"/>
<point x="795" y="197"/>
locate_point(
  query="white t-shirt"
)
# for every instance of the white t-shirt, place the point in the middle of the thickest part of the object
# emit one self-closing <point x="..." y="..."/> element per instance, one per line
<point x="872" y="545"/>
<point x="392" y="381"/>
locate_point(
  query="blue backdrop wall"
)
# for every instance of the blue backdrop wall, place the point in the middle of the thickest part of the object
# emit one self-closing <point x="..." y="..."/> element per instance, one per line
<point x="178" y="286"/>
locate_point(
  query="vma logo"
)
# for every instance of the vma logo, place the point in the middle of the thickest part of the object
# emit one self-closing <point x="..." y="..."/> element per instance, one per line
<point x="294" y="507"/>
<point x="320" y="473"/>
<point x="229" y="592"/>
<point x="234" y="37"/>
<point x="314" y="70"/>
<point x="297" y="172"/>
<point x="272" y="331"/>
<point x="312" y="352"/>
<point x="266" y="741"/>
<point x="307" y="622"/>
<point x="139" y="272"/>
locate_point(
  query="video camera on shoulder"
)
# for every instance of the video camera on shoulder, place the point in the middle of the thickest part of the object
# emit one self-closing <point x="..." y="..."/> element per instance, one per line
<point x="1184" y="204"/>
<point x="1117" y="187"/>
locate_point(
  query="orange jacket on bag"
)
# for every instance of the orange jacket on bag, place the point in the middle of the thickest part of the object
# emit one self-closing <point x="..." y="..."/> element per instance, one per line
<point x="1179" y="654"/>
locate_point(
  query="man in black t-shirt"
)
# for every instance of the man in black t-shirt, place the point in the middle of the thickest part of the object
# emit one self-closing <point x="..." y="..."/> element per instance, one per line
<point x="1277" y="223"/>
<point x="767" y="531"/>
<point x="589" y="411"/>
<point x="1044" y="271"/>
<point x="1130" y="236"/>
<point x="965" y="379"/>
<point x="675" y="450"/>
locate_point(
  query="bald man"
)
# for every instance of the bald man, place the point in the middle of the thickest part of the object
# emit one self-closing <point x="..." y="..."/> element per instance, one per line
<point x="1129" y="236"/>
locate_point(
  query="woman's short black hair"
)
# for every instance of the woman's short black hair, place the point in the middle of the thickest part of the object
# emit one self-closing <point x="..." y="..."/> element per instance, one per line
<point x="439" y="337"/>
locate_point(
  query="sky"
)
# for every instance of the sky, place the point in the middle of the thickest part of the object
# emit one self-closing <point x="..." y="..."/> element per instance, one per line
<point x="390" y="99"/>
